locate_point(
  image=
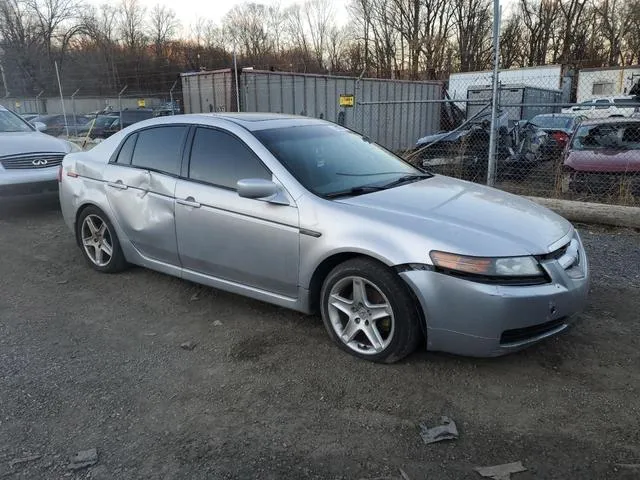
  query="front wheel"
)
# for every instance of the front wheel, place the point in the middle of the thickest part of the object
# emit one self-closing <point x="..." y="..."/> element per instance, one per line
<point x="368" y="311"/>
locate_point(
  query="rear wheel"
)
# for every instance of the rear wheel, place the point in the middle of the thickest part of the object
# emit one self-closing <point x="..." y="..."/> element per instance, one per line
<point x="369" y="312"/>
<point x="99" y="243"/>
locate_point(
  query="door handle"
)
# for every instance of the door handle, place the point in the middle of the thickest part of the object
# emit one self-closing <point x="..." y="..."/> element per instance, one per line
<point x="189" y="202"/>
<point x="118" y="184"/>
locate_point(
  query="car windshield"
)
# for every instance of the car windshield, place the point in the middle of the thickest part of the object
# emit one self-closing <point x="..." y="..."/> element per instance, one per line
<point x="104" y="121"/>
<point x="611" y="136"/>
<point x="12" y="123"/>
<point x="544" y="121"/>
<point x="329" y="159"/>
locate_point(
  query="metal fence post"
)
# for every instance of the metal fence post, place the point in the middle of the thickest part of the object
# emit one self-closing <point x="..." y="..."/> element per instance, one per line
<point x="64" y="113"/>
<point x="120" y="104"/>
<point x="73" y="108"/>
<point x="38" y="102"/>
<point x="491" y="170"/>
<point x="173" y="111"/>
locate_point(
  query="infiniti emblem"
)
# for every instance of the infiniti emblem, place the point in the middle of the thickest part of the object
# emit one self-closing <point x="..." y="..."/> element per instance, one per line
<point x="38" y="162"/>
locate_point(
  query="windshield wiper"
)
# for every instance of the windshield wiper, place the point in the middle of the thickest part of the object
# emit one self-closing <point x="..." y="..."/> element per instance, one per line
<point x="355" y="191"/>
<point x="407" y="178"/>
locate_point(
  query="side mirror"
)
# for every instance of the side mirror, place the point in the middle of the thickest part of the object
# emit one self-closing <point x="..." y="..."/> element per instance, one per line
<point x="259" y="188"/>
<point x="39" y="126"/>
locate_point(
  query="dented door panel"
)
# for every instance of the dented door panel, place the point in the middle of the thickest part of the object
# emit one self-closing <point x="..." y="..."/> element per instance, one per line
<point x="143" y="203"/>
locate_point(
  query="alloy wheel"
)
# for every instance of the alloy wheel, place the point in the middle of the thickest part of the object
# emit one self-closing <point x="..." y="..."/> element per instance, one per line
<point x="361" y="315"/>
<point x="97" y="240"/>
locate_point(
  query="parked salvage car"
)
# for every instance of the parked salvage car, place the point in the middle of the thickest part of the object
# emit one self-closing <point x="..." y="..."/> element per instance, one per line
<point x="29" y="160"/>
<point x="311" y="216"/>
<point x="99" y="127"/>
<point x="464" y="152"/>
<point x="620" y="106"/>
<point x="604" y="157"/>
<point x="560" y="127"/>
<point x="55" y="124"/>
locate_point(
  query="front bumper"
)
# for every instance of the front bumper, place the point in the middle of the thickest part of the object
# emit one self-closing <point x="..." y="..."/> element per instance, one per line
<point x="28" y="182"/>
<point x="483" y="320"/>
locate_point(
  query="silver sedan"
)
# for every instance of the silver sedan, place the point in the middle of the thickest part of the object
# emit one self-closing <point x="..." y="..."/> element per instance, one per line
<point x="308" y="215"/>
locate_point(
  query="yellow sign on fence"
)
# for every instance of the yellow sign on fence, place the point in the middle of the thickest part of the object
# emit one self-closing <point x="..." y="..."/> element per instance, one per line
<point x="142" y="103"/>
<point x="347" y="100"/>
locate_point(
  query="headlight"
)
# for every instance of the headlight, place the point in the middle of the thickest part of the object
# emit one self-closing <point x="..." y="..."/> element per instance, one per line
<point x="73" y="148"/>
<point x="514" y="267"/>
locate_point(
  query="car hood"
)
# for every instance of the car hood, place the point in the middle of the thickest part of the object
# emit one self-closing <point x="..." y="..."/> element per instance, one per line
<point x="604" y="160"/>
<point x="14" y="143"/>
<point x="467" y="217"/>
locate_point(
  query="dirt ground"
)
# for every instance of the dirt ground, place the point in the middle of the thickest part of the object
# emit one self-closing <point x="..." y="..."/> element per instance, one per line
<point x="89" y="360"/>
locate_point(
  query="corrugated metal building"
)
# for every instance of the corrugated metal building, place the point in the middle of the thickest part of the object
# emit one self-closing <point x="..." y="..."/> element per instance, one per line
<point x="391" y="112"/>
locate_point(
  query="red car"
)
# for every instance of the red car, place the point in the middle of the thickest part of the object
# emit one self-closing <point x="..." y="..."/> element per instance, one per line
<point x="603" y="156"/>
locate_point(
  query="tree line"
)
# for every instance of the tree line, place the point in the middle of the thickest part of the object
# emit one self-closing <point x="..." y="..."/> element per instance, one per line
<point x="100" y="50"/>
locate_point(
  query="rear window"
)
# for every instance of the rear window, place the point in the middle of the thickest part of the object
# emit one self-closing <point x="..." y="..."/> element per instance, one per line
<point x="609" y="136"/>
<point x="553" y="122"/>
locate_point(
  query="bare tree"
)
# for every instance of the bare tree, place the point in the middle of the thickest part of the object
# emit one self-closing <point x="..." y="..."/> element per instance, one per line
<point x="163" y="26"/>
<point x="319" y="14"/>
<point x="245" y="25"/>
<point x="55" y="20"/>
<point x="614" y="22"/>
<point x="472" y="25"/>
<point x="132" y="24"/>
<point x="511" y="51"/>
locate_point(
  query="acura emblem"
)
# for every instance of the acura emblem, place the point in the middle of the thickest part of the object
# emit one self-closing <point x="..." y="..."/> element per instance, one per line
<point x="38" y="162"/>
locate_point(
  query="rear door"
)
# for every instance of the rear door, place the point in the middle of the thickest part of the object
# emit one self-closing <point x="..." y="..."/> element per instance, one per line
<point x="141" y="182"/>
<point x="247" y="241"/>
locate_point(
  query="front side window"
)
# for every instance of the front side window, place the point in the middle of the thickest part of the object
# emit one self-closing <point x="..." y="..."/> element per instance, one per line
<point x="9" y="122"/>
<point x="160" y="149"/>
<point x="221" y="159"/>
<point x="601" y="104"/>
<point x="327" y="159"/>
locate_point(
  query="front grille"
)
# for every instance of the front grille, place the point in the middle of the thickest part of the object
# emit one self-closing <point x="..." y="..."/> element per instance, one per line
<point x="527" y="333"/>
<point x="567" y="256"/>
<point x="31" y="160"/>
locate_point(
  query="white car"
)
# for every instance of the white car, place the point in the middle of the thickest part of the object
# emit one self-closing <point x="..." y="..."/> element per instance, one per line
<point x="29" y="159"/>
<point x="622" y="106"/>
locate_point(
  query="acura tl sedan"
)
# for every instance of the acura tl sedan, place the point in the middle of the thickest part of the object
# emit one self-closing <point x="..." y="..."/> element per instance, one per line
<point x="311" y="216"/>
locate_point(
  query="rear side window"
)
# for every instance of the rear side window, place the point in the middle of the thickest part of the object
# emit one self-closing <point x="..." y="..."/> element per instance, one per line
<point x="124" y="156"/>
<point x="602" y="104"/>
<point x="222" y="159"/>
<point x="160" y="149"/>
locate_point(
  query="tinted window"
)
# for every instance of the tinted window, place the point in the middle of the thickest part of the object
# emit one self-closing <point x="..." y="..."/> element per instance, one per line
<point x="602" y="104"/>
<point x="628" y="102"/>
<point x="160" y="149"/>
<point x="124" y="157"/>
<point x="222" y="159"/>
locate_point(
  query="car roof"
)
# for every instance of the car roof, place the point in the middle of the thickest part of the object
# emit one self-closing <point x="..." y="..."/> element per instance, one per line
<point x="564" y="115"/>
<point x="262" y="121"/>
<point x="610" y="120"/>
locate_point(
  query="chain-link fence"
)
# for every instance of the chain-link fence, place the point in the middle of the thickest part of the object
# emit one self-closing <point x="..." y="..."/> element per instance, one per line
<point x="545" y="145"/>
<point x="558" y="133"/>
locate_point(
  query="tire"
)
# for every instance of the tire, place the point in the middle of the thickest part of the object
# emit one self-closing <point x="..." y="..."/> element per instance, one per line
<point x="352" y="323"/>
<point x="91" y="241"/>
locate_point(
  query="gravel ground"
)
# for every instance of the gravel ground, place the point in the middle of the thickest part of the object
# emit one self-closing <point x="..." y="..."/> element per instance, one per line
<point x="94" y="361"/>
